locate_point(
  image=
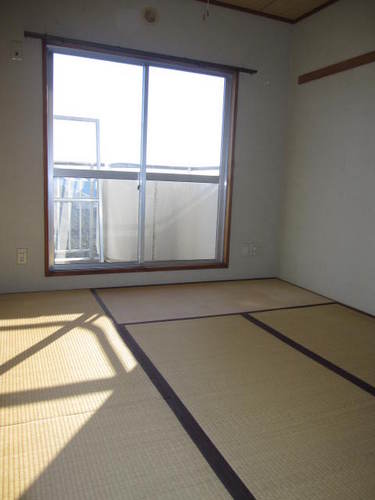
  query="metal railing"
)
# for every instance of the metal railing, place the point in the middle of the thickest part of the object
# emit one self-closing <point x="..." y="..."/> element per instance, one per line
<point x="78" y="226"/>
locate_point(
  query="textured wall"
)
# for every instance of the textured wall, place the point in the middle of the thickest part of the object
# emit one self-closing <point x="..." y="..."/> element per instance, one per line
<point x="228" y="37"/>
<point x="328" y="241"/>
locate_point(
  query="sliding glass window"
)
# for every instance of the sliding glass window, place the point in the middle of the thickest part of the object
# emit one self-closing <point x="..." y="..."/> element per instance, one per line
<point x="138" y="163"/>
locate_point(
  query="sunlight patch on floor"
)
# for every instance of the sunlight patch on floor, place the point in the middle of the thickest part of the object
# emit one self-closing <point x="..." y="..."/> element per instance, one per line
<point x="28" y="449"/>
<point x="124" y="354"/>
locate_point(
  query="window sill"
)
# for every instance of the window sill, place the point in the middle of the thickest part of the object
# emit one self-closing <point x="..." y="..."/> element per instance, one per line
<point x="135" y="269"/>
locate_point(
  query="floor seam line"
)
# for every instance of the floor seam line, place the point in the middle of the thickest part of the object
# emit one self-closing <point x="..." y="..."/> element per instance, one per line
<point x="74" y="414"/>
<point x="237" y="313"/>
<point x="36" y="420"/>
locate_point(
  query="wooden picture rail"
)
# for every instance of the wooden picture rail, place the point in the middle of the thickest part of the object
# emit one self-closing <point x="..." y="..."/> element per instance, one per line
<point x="367" y="58"/>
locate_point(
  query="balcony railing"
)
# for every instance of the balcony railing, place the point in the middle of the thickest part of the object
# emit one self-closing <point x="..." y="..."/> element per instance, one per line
<point x="79" y="204"/>
<point x="84" y="196"/>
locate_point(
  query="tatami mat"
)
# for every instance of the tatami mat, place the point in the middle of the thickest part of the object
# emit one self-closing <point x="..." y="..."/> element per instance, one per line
<point x="153" y="303"/>
<point x="78" y="416"/>
<point x="339" y="334"/>
<point x="289" y="427"/>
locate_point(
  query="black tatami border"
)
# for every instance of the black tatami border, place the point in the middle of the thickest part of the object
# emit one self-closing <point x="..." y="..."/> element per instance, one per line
<point x="312" y="355"/>
<point x="284" y="338"/>
<point x="228" y="477"/>
<point x="362" y="384"/>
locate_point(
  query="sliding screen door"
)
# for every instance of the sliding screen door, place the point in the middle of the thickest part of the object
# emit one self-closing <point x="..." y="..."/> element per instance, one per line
<point x="138" y="160"/>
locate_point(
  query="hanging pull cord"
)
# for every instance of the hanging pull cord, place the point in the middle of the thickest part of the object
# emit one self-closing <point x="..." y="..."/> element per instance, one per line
<point x="206" y="12"/>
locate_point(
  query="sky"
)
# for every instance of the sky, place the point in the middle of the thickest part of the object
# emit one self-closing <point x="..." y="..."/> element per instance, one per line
<point x="184" y="113"/>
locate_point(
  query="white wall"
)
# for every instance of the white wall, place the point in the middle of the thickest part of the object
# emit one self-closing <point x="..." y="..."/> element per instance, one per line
<point x="328" y="242"/>
<point x="227" y="37"/>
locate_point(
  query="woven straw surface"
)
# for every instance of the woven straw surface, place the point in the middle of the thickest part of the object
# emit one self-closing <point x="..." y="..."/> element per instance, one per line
<point x="341" y="335"/>
<point x="78" y="416"/>
<point x="153" y="303"/>
<point x="289" y="427"/>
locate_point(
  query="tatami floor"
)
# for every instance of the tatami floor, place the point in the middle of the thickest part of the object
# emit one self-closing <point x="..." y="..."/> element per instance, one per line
<point x="244" y="389"/>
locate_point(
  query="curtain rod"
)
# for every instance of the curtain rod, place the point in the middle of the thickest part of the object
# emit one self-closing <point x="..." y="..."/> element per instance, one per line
<point x="71" y="42"/>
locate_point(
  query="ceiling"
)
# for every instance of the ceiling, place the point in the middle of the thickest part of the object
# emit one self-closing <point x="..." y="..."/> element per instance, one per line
<point x="284" y="10"/>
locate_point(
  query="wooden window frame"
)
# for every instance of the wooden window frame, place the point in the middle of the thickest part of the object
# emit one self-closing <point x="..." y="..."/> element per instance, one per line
<point x="104" y="51"/>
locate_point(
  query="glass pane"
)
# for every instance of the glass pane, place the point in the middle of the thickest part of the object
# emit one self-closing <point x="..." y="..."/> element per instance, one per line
<point x="80" y="136"/>
<point x="76" y="232"/>
<point x="110" y="93"/>
<point x="181" y="219"/>
<point x="185" y="115"/>
<point x="95" y="220"/>
<point x="66" y="187"/>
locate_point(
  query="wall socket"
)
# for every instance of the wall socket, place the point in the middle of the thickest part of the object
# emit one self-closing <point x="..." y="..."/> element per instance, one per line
<point x="251" y="249"/>
<point x="16" y="50"/>
<point x="22" y="256"/>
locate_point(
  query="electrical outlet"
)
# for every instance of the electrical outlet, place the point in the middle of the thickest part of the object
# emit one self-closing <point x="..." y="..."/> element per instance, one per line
<point x="251" y="249"/>
<point x="16" y="50"/>
<point x="22" y="256"/>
